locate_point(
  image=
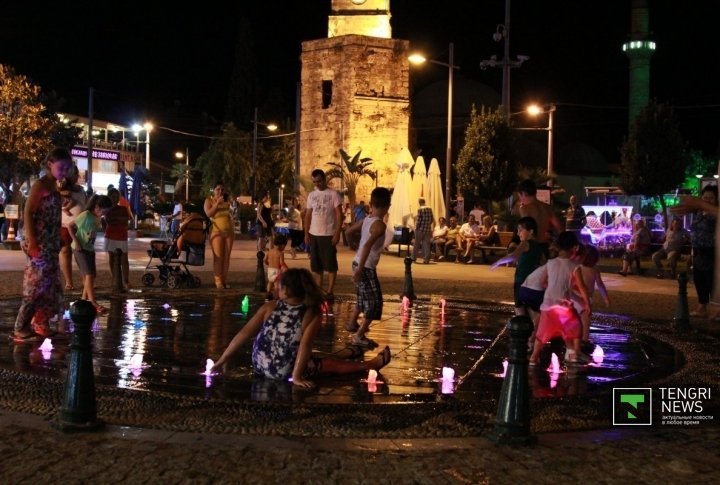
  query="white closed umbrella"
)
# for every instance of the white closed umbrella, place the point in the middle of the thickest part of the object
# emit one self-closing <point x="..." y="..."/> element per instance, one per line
<point x="435" y="198"/>
<point x="420" y="179"/>
<point x="401" y="208"/>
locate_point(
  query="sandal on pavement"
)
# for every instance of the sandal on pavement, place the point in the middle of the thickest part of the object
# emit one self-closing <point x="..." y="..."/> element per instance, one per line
<point x="385" y="357"/>
<point x="364" y="342"/>
<point x="69" y="287"/>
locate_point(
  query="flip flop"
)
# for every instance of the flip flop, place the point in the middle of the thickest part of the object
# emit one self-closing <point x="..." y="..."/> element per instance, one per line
<point x="100" y="309"/>
<point x="386" y="357"/>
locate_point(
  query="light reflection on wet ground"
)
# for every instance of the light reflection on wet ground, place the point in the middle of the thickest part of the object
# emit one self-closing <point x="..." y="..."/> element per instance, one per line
<point x="154" y="342"/>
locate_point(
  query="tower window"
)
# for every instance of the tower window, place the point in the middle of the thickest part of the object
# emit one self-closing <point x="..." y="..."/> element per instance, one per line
<point x="327" y="87"/>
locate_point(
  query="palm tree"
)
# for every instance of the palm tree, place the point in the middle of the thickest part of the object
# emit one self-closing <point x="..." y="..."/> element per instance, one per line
<point x="182" y="173"/>
<point x="350" y="170"/>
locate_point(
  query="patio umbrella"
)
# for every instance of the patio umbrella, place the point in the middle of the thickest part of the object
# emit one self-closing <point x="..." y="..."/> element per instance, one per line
<point x="420" y="181"/>
<point x="122" y="184"/>
<point x="435" y="198"/>
<point x="135" y="197"/>
<point x="401" y="208"/>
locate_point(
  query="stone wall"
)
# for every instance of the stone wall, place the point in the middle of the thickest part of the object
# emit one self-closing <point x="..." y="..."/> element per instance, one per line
<point x="367" y="110"/>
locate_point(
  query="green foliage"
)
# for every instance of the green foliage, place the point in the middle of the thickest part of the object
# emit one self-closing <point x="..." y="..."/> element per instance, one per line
<point x="183" y="174"/>
<point x="228" y="159"/>
<point x="278" y="163"/>
<point x="698" y="164"/>
<point x="351" y="170"/>
<point x="653" y="156"/>
<point x="26" y="128"/>
<point x="487" y="165"/>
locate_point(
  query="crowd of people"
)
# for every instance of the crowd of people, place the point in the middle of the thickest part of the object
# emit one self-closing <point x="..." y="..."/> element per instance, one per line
<point x="554" y="280"/>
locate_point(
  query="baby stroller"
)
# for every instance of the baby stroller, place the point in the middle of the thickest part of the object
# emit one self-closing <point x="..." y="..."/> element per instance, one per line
<point x="187" y="249"/>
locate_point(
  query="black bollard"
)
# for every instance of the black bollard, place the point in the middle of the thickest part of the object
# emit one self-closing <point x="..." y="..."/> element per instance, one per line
<point x="682" y="317"/>
<point x="117" y="273"/>
<point x="78" y="412"/>
<point x="260" y="282"/>
<point x="512" y="425"/>
<point x="408" y="288"/>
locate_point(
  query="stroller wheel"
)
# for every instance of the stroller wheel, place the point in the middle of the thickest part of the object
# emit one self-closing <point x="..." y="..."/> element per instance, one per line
<point x="195" y="282"/>
<point x="148" y="279"/>
<point x="173" y="281"/>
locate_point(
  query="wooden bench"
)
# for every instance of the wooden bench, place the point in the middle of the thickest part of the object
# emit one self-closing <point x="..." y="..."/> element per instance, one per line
<point x="505" y="237"/>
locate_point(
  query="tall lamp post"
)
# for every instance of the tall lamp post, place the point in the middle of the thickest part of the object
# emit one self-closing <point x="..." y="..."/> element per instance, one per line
<point x="148" y="128"/>
<point x="180" y="155"/>
<point x="419" y="59"/>
<point x="535" y="110"/>
<point x="270" y="127"/>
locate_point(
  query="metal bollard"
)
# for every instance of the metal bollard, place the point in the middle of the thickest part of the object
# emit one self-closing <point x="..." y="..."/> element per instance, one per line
<point x="682" y="317"/>
<point x="78" y="412"/>
<point x="117" y="273"/>
<point x="260" y="282"/>
<point x="512" y="425"/>
<point x="408" y="288"/>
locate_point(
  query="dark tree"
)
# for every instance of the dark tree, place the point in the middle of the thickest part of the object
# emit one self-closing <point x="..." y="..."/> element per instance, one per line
<point x="653" y="156"/>
<point x="487" y="165"/>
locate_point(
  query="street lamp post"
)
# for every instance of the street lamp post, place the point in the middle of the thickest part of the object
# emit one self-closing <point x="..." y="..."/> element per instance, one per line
<point x="419" y="59"/>
<point x="148" y="128"/>
<point x="187" y="172"/>
<point x="535" y="110"/>
<point x="270" y="127"/>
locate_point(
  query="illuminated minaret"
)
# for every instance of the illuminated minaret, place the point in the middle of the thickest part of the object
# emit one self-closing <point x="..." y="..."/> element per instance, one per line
<point x="639" y="50"/>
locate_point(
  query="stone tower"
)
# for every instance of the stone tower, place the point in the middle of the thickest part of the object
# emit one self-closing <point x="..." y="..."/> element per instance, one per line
<point x="639" y="50"/>
<point x="355" y="93"/>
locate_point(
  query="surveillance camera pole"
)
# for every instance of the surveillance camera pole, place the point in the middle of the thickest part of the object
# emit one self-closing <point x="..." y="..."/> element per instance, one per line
<point x="503" y="32"/>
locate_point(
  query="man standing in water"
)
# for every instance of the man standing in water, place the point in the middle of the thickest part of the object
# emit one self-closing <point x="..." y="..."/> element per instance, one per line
<point x="323" y="223"/>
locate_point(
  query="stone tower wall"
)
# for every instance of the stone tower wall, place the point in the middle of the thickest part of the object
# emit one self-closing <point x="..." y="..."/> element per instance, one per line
<point x="368" y="110"/>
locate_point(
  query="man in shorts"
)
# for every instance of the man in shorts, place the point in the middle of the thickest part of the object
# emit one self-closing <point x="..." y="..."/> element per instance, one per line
<point x="323" y="223"/>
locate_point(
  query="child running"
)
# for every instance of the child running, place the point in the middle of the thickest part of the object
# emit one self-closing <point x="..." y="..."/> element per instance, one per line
<point x="558" y="315"/>
<point x="284" y="332"/>
<point x="367" y="286"/>
<point x="528" y="255"/>
<point x="275" y="261"/>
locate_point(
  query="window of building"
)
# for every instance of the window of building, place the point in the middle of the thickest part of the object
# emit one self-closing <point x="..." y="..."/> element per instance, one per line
<point x="327" y="87"/>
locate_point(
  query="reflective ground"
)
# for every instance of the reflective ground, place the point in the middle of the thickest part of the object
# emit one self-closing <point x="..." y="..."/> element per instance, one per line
<point x="160" y="341"/>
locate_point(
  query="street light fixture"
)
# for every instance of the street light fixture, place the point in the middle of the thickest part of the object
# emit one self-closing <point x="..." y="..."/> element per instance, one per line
<point x="270" y="127"/>
<point x="179" y="155"/>
<point x="419" y="59"/>
<point x="147" y="127"/>
<point x="535" y="110"/>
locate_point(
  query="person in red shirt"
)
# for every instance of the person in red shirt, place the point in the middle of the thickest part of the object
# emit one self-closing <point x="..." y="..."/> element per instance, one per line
<point x="116" y="234"/>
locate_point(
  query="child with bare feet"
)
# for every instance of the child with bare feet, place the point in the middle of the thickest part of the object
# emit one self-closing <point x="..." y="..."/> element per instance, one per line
<point x="373" y="239"/>
<point x="558" y="316"/>
<point x="284" y="331"/>
<point x="275" y="262"/>
<point x="592" y="278"/>
<point x="83" y="231"/>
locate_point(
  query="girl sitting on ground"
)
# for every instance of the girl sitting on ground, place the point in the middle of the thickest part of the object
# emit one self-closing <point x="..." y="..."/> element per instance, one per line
<point x="284" y="331"/>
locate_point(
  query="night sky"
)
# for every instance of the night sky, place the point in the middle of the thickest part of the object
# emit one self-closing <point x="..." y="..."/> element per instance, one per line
<point x="170" y="64"/>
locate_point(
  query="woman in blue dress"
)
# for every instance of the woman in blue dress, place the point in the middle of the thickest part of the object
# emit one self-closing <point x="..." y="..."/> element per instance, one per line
<point x="284" y="331"/>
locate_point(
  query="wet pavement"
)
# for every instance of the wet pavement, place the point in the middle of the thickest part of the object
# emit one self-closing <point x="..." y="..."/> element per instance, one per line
<point x="155" y="342"/>
<point x="168" y="424"/>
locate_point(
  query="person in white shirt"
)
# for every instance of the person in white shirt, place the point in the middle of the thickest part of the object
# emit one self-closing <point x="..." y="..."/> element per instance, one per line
<point x="322" y="224"/>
